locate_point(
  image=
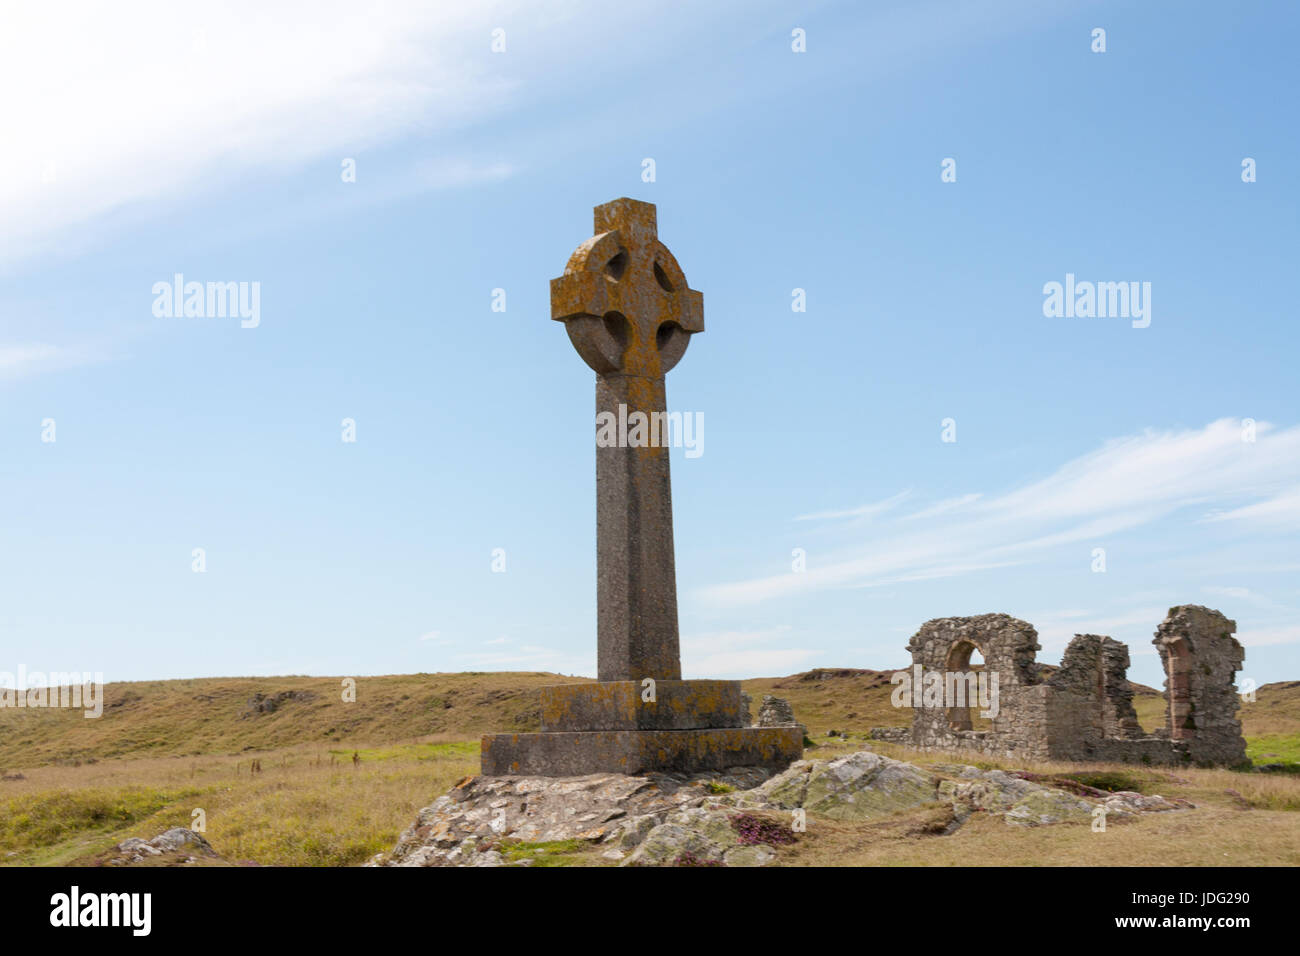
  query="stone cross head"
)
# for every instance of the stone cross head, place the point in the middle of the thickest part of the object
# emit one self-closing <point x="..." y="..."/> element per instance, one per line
<point x="623" y="298"/>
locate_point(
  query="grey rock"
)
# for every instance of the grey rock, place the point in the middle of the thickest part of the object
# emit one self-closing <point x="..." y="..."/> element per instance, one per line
<point x="654" y="819"/>
<point x="775" y="712"/>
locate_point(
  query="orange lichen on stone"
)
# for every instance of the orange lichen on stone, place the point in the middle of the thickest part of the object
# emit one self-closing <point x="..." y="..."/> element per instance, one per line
<point x="629" y="313"/>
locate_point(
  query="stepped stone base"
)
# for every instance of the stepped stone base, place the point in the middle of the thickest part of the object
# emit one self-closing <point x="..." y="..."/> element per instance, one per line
<point x="578" y="753"/>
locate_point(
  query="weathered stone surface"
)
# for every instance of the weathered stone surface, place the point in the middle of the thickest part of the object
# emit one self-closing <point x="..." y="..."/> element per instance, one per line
<point x="176" y="846"/>
<point x="775" y="712"/>
<point x="615" y="809"/>
<point x="1048" y="806"/>
<point x="618" y="705"/>
<point x="268" y="704"/>
<point x="893" y="735"/>
<point x="785" y="790"/>
<point x="758" y="854"/>
<point x="1084" y="711"/>
<point x="865" y="785"/>
<point x="639" y="751"/>
<point x="860" y="786"/>
<point x="991" y="790"/>
<point x="178" y="837"/>
<point x="1126" y="801"/>
<point x="629" y="313"/>
<point x="656" y="819"/>
<point x="1008" y="645"/>
<point x="669" y="842"/>
<point x="1201" y="658"/>
<point x="1095" y="667"/>
<point x="1020" y="802"/>
<point x="705" y="834"/>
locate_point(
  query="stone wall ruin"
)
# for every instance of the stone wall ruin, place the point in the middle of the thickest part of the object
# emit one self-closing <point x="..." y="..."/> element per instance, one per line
<point x="1083" y="711"/>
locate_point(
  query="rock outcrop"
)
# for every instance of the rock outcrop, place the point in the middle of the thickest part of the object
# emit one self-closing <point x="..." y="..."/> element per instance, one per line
<point x="261" y="703"/>
<point x="741" y="818"/>
<point x="174" y="847"/>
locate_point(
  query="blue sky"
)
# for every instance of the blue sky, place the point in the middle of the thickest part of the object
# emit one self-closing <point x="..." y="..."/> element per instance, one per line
<point x="148" y="143"/>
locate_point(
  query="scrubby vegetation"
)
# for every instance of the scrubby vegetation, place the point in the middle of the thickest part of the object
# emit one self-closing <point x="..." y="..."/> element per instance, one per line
<point x="315" y="781"/>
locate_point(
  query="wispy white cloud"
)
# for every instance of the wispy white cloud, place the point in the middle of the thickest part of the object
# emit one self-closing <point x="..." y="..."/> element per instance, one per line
<point x="1282" y="509"/>
<point x="22" y="361"/>
<point x="1137" y="625"/>
<point x="1268" y="636"/>
<point x="740" y="653"/>
<point x="446" y="174"/>
<point x="862" y="511"/>
<point x="946" y="506"/>
<point x="1134" y="626"/>
<point x="1126" y="484"/>
<point x="506" y="654"/>
<point x="1232" y="592"/>
<point x="14" y="358"/>
<point x="123" y="104"/>
<point x="1254" y="599"/>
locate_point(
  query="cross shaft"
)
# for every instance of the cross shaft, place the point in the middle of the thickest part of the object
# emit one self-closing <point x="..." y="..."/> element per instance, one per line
<point x="629" y="313"/>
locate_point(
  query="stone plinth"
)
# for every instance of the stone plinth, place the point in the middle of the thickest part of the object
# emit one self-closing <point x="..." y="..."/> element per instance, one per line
<point x="618" y="705"/>
<point x="609" y="727"/>
<point x="576" y="754"/>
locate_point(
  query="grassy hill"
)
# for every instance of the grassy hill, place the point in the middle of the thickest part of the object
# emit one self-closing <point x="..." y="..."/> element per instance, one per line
<point x="166" y="751"/>
<point x="231" y="715"/>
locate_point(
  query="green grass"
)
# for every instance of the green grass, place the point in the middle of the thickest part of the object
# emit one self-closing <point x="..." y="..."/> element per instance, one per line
<point x="554" y="853"/>
<point x="1111" y="781"/>
<point x="165" y="748"/>
<point x="1275" y="748"/>
<point x="460" y="748"/>
<point x="216" y="716"/>
<point x="300" y="810"/>
<point x="46" y="819"/>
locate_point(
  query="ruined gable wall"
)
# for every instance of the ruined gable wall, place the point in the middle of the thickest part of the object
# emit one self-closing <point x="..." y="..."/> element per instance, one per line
<point x="1201" y="658"/>
<point x="1008" y="646"/>
<point x="1091" y="699"/>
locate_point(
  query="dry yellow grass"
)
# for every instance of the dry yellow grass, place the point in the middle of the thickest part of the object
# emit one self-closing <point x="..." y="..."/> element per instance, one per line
<point x="303" y="809"/>
<point x="213" y="715"/>
<point x="857" y="700"/>
<point x="1203" y="837"/>
<point x="166" y="748"/>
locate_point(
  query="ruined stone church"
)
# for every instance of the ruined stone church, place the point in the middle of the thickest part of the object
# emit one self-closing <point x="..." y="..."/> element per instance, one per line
<point x="1084" y="710"/>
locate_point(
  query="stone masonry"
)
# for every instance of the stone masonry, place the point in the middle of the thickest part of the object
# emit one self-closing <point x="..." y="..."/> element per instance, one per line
<point x="629" y="313"/>
<point x="1084" y="711"/>
<point x="1200" y="656"/>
